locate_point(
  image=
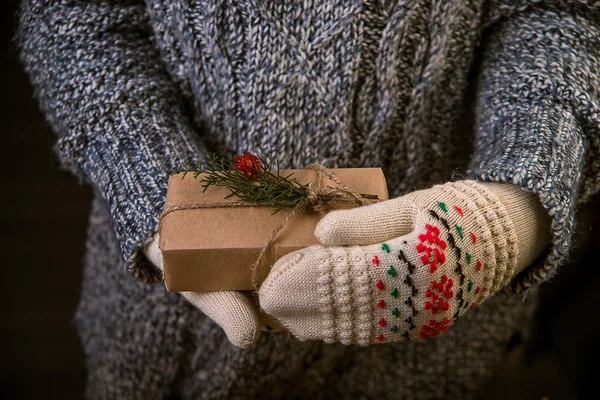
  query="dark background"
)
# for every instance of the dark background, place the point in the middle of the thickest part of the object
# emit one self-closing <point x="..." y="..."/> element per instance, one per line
<point x="44" y="218"/>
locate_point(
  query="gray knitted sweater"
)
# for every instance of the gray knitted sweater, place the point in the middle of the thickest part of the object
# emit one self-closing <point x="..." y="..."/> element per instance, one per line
<point x="497" y="90"/>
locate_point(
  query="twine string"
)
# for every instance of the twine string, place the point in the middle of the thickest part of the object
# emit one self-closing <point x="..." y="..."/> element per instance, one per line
<point x="319" y="197"/>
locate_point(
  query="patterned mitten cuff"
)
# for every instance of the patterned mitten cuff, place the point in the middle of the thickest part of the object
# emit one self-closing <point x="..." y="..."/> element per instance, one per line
<point x="415" y="264"/>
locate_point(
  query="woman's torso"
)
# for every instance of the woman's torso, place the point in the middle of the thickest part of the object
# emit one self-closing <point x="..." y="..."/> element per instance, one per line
<point x="343" y="82"/>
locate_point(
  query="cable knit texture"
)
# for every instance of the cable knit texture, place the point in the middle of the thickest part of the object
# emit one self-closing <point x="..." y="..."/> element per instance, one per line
<point x="502" y="90"/>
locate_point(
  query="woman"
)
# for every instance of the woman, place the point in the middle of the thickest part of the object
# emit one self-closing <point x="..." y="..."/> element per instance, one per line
<point x="133" y="89"/>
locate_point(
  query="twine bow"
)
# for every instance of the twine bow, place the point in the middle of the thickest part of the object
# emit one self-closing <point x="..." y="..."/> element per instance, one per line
<point x="319" y="197"/>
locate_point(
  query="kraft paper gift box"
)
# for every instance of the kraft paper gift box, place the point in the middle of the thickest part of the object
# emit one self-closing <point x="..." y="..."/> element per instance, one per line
<point x="212" y="249"/>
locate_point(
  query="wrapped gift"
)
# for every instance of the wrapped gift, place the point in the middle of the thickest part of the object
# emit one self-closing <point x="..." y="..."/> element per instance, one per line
<point x="210" y="241"/>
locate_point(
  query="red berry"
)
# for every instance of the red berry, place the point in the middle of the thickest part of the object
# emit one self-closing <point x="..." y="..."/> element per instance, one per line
<point x="248" y="164"/>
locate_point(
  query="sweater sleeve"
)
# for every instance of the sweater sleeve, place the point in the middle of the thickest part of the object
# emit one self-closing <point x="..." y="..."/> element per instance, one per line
<point x="538" y="116"/>
<point x="120" y="121"/>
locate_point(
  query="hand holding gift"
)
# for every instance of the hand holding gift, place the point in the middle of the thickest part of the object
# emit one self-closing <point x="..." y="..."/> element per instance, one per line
<point x="396" y="270"/>
<point x="238" y="313"/>
<point x="224" y="225"/>
<point x="412" y="265"/>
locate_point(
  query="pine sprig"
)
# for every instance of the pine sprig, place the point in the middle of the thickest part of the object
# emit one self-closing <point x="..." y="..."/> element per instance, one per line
<point x="266" y="188"/>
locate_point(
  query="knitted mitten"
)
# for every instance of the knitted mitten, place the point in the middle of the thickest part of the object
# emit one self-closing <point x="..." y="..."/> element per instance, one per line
<point x="417" y="263"/>
<point x="238" y="313"/>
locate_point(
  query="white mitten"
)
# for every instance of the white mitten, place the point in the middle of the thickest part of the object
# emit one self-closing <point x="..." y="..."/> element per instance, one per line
<point x="415" y="264"/>
<point x="238" y="313"/>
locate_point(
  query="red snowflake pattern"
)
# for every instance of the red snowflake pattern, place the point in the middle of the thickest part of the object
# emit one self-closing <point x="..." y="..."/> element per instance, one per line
<point x="434" y="328"/>
<point x="437" y="293"/>
<point x="431" y="248"/>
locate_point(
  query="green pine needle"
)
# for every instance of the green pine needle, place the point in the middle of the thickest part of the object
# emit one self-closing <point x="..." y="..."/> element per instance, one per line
<point x="268" y="188"/>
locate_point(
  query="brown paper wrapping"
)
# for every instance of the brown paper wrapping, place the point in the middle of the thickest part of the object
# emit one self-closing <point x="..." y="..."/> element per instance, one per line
<point x="212" y="249"/>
